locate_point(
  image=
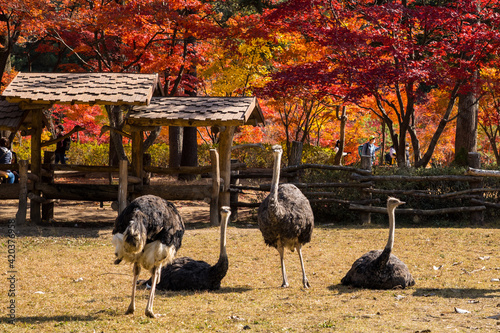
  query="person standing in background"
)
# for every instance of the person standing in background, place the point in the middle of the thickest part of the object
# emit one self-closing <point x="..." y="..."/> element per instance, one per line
<point x="60" y="146"/>
<point x="6" y="158"/>
<point x="407" y="154"/>
<point x="369" y="148"/>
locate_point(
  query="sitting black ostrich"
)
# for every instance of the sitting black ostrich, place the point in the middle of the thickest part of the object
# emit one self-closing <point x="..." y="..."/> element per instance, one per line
<point x="285" y="218"/>
<point x="188" y="274"/>
<point x="147" y="233"/>
<point x="380" y="269"/>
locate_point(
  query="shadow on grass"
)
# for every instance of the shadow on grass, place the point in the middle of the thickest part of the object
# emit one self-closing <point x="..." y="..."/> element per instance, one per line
<point x="464" y="293"/>
<point x="457" y="293"/>
<point x="46" y="319"/>
<point x="341" y="289"/>
<point x="224" y="290"/>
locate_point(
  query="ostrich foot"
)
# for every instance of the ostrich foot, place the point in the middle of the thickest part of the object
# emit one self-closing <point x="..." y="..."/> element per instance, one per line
<point x="150" y="314"/>
<point x="130" y="310"/>
<point x="285" y="285"/>
<point x="307" y="285"/>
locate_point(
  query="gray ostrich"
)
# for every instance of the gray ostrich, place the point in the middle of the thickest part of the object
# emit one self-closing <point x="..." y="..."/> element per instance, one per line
<point x="147" y="233"/>
<point x="381" y="269"/>
<point x="285" y="218"/>
<point x="188" y="274"/>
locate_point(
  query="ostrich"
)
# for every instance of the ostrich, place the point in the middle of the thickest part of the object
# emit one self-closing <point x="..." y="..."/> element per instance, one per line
<point x="285" y="218"/>
<point x="188" y="274"/>
<point x="380" y="269"/>
<point x="147" y="233"/>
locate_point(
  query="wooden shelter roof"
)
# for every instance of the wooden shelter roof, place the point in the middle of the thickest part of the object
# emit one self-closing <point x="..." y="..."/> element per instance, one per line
<point x="11" y="115"/>
<point x="80" y="88"/>
<point x="197" y="111"/>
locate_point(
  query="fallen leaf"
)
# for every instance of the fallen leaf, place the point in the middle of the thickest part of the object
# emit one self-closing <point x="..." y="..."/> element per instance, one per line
<point x="436" y="268"/>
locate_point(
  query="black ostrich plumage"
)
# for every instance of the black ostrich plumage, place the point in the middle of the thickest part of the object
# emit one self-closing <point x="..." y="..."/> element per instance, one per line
<point x="373" y="272"/>
<point x="290" y="219"/>
<point x="188" y="274"/>
<point x="380" y="269"/>
<point x="285" y="218"/>
<point x="157" y="218"/>
<point x="147" y="233"/>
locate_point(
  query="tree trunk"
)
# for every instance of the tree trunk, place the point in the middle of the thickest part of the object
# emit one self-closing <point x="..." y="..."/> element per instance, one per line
<point x="422" y="163"/>
<point x="189" y="156"/>
<point x="116" y="120"/>
<point x="175" y="146"/>
<point x="343" y="121"/>
<point x="466" y="129"/>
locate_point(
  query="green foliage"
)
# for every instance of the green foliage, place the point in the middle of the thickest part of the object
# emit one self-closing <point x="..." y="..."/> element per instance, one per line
<point x="159" y="154"/>
<point x="88" y="154"/>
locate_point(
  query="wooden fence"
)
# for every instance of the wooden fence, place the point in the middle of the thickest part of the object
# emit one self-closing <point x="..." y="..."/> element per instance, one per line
<point x="368" y="191"/>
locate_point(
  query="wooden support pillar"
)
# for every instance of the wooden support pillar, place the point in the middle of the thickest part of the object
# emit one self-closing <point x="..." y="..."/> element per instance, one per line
<point x="48" y="160"/>
<point x="233" y="195"/>
<point x="23" y="193"/>
<point x="36" y="161"/>
<point x="214" y="200"/>
<point x="226" y="141"/>
<point x="122" y="186"/>
<point x="137" y="156"/>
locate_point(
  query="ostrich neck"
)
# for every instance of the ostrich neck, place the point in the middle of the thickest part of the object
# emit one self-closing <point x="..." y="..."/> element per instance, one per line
<point x="273" y="195"/>
<point x="392" y="227"/>
<point x="223" y="252"/>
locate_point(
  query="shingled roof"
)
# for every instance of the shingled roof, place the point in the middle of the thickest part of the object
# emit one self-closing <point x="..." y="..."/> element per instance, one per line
<point x="11" y="115"/>
<point x="197" y="111"/>
<point x="81" y="88"/>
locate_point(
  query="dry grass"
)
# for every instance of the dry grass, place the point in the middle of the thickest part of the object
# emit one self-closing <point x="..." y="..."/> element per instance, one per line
<point x="69" y="284"/>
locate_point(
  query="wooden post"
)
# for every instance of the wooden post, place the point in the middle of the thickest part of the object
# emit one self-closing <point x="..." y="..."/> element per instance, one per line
<point x="233" y="195"/>
<point x="23" y="193"/>
<point x="36" y="161"/>
<point x="366" y="163"/>
<point x="226" y="141"/>
<point x="122" y="186"/>
<point x="295" y="159"/>
<point x="48" y="160"/>
<point x="214" y="200"/>
<point x="137" y="159"/>
<point x="146" y="161"/>
<point x="474" y="161"/>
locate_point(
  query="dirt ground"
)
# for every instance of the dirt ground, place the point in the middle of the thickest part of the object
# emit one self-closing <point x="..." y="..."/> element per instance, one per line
<point x="83" y="215"/>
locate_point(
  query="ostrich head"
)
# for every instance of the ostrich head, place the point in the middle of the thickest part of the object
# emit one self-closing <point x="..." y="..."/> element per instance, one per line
<point x="277" y="149"/>
<point x="392" y="203"/>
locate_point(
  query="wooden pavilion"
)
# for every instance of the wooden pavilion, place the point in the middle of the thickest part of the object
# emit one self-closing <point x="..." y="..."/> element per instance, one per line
<point x="30" y="93"/>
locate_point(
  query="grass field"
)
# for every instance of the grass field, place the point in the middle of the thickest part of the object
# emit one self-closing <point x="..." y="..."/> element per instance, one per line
<point x="66" y="282"/>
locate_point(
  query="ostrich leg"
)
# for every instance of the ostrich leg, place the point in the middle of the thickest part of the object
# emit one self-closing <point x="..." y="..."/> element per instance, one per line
<point x="149" y="307"/>
<point x="281" y="251"/>
<point x="131" y="307"/>
<point x="304" y="278"/>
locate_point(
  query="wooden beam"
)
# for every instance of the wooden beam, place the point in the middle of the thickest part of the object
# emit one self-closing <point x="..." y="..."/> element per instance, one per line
<point x="137" y="152"/>
<point x="36" y="161"/>
<point x="383" y="210"/>
<point x="23" y="192"/>
<point x="181" y="122"/>
<point x="214" y="201"/>
<point x="225" y="143"/>
<point x="75" y="129"/>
